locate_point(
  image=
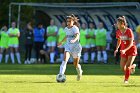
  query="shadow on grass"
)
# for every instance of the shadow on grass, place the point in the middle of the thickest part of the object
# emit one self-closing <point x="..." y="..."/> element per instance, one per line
<point x="108" y="84"/>
<point x="53" y="69"/>
<point x="28" y="82"/>
<point x="130" y="85"/>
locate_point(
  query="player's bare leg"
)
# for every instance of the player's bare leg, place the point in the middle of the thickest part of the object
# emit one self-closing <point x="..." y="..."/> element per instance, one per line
<point x="78" y="68"/>
<point x="123" y="64"/>
<point x="128" y="67"/>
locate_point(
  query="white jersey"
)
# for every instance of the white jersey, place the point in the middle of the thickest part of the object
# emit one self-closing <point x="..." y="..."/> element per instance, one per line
<point x="74" y="48"/>
<point x="70" y="33"/>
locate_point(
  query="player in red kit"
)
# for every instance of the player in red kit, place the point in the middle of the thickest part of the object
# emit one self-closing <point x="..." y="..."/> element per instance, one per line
<point x="127" y="46"/>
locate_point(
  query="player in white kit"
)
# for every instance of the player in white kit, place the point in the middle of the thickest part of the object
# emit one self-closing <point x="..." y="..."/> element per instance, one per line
<point x="72" y="46"/>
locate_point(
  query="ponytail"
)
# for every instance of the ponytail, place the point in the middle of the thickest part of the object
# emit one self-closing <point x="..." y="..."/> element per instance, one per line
<point x="122" y="19"/>
<point x="75" y="19"/>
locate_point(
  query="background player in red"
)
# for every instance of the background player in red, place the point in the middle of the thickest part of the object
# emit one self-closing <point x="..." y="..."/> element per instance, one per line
<point x="127" y="46"/>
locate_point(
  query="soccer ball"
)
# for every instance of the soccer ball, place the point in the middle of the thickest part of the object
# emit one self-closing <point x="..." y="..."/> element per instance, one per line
<point x="60" y="78"/>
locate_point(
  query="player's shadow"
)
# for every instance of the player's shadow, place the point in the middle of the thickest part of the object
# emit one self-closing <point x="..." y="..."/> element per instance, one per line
<point x="44" y="82"/>
<point x="130" y="85"/>
<point x="28" y="82"/>
<point x="53" y="69"/>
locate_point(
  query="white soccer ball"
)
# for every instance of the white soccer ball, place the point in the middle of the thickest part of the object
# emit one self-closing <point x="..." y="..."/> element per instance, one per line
<point x="60" y="78"/>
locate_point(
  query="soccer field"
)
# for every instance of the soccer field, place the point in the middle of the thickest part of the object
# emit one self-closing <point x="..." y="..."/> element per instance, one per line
<point x="97" y="78"/>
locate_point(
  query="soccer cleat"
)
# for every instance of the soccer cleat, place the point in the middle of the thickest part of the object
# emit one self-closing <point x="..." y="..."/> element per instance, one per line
<point x="79" y="75"/>
<point x="126" y="81"/>
<point x="133" y="69"/>
<point x="28" y="62"/>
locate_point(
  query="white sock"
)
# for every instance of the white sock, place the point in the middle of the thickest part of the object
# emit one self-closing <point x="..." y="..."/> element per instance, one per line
<point x="18" y="57"/>
<point x="99" y="56"/>
<point x="0" y="58"/>
<point x="52" y="57"/>
<point x="28" y="61"/>
<point x="86" y="56"/>
<point x="63" y="67"/>
<point x="104" y="56"/>
<point x="108" y="46"/>
<point x="6" y="58"/>
<point x="61" y="56"/>
<point x="12" y="58"/>
<point x="78" y="69"/>
<point x="93" y="56"/>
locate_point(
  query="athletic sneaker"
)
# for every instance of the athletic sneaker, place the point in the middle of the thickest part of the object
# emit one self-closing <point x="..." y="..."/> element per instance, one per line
<point x="126" y="81"/>
<point x="133" y="69"/>
<point x="29" y="62"/>
<point x="79" y="75"/>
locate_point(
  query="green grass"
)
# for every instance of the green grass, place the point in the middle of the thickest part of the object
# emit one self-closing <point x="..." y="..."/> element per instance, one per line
<point x="97" y="78"/>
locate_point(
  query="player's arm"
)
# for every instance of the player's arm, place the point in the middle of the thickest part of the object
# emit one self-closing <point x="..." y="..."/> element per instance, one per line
<point x="76" y="38"/>
<point x="60" y="43"/>
<point x="14" y="35"/>
<point x="118" y="44"/>
<point x="56" y="31"/>
<point x="87" y="35"/>
<point x="93" y="37"/>
<point x="18" y="34"/>
<point x="52" y="34"/>
<point x="117" y="47"/>
<point x="130" y="44"/>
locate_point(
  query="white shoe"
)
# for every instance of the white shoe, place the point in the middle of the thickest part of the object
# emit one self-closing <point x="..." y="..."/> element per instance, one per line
<point x="79" y="75"/>
<point x="126" y="81"/>
<point x="133" y="69"/>
<point x="28" y="62"/>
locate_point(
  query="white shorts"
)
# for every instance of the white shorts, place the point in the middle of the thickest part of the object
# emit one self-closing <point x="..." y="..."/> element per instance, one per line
<point x="51" y="44"/>
<point x="4" y="47"/>
<point x="74" y="50"/>
<point x="87" y="46"/>
<point x="90" y="46"/>
<point x="14" y="45"/>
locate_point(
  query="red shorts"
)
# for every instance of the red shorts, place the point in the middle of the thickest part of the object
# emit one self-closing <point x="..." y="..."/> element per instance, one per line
<point x="131" y="52"/>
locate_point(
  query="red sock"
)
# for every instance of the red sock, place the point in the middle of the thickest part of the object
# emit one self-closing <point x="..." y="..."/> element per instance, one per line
<point x="127" y="74"/>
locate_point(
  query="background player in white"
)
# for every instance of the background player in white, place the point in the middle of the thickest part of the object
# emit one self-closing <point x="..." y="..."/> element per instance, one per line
<point x="72" y="46"/>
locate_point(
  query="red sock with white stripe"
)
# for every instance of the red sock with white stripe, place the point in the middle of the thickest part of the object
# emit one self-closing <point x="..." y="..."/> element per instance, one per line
<point x="127" y="74"/>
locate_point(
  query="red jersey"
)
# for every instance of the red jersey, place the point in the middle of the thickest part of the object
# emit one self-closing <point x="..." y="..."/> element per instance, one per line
<point x="125" y="41"/>
<point x="125" y="38"/>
